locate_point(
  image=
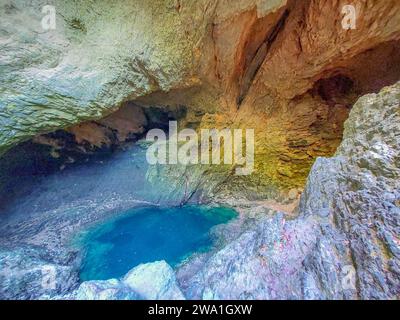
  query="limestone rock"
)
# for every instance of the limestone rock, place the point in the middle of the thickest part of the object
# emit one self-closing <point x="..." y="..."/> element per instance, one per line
<point x="345" y="242"/>
<point x="285" y="68"/>
<point x="357" y="190"/>
<point x="28" y="273"/>
<point x="104" y="290"/>
<point x="154" y="281"/>
<point x="263" y="263"/>
<point x="151" y="281"/>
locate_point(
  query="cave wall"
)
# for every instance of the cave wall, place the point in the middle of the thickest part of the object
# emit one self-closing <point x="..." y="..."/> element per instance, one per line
<point x="285" y="68"/>
<point x="101" y="54"/>
<point x="305" y="77"/>
<point x="293" y="74"/>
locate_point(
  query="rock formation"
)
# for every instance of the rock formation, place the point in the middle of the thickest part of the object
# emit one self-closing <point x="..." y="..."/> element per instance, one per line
<point x="152" y="281"/>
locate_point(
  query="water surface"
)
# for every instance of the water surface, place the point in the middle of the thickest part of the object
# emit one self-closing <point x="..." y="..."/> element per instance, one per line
<point x="148" y="234"/>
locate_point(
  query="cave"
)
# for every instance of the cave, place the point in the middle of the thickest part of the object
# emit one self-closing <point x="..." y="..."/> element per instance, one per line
<point x="85" y="215"/>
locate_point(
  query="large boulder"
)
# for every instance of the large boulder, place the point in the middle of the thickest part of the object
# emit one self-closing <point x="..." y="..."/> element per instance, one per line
<point x="357" y="191"/>
<point x="154" y="281"/>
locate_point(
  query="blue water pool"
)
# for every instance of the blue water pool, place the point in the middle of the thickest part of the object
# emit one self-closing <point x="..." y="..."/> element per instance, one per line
<point x="148" y="234"/>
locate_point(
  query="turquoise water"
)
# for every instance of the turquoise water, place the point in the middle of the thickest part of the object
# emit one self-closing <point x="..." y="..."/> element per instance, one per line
<point x="148" y="234"/>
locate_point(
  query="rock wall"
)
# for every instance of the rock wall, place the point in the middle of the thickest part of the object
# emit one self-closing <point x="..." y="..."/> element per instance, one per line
<point x="310" y="75"/>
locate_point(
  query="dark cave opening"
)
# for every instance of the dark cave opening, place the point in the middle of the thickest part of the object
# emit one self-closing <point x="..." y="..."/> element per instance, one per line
<point x="333" y="89"/>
